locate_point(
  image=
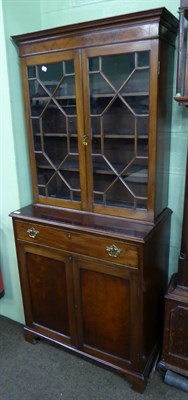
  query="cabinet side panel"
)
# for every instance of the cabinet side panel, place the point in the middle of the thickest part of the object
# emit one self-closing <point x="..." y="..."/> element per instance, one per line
<point x="165" y="99"/>
<point x="155" y="275"/>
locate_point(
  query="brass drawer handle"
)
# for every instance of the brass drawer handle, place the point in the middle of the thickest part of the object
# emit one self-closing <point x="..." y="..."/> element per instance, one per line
<point x="113" y="251"/>
<point x="32" y="233"/>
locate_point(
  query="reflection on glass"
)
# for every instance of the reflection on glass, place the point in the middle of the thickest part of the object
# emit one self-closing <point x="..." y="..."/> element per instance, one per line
<point x="50" y="75"/>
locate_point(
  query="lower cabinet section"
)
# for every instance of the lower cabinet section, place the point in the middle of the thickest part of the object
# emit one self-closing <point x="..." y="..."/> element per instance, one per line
<point x="106" y="309"/>
<point x="89" y="305"/>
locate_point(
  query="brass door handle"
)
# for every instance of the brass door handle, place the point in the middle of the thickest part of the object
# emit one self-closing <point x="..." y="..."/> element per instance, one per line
<point x="32" y="233"/>
<point x="84" y="141"/>
<point x="113" y="251"/>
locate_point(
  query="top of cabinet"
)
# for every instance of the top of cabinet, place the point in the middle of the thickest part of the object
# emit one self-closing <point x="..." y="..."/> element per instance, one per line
<point x="153" y="23"/>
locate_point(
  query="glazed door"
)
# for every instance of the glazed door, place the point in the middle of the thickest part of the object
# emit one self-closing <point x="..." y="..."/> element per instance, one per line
<point x="55" y="122"/>
<point x="106" y="300"/>
<point x="117" y="82"/>
<point x="47" y="292"/>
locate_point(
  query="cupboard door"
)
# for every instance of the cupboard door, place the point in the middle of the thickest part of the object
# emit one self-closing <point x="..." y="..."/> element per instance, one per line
<point x="47" y="289"/>
<point x="107" y="302"/>
<point x="55" y="123"/>
<point x="116" y="89"/>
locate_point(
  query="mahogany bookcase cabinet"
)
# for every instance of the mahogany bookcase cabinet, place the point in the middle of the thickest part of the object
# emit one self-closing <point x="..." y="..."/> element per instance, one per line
<point x="93" y="247"/>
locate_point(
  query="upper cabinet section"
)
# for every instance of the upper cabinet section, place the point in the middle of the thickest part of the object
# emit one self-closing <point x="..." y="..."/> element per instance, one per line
<point x="95" y="101"/>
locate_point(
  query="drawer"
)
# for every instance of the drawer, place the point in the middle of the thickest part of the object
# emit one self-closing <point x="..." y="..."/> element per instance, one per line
<point x="92" y="245"/>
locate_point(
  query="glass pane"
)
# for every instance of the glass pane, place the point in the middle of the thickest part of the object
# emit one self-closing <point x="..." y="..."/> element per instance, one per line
<point x="42" y="191"/>
<point x="142" y="148"/>
<point x="36" y="90"/>
<point x="143" y="58"/>
<point x="138" y="104"/>
<point x="54" y="128"/>
<point x="57" y="188"/>
<point x="73" y="145"/>
<point x="55" y="149"/>
<point x="66" y="88"/>
<point x="53" y="120"/>
<point x="99" y="104"/>
<point x="119" y="153"/>
<point x="36" y="125"/>
<point x="72" y="125"/>
<point x="117" y="68"/>
<point x="95" y="125"/>
<point x="44" y="176"/>
<point x="68" y="106"/>
<point x="37" y="143"/>
<point x="69" y="67"/>
<point x="119" y="107"/>
<point x="136" y="178"/>
<point x="119" y="196"/>
<point x="138" y="82"/>
<point x="118" y="120"/>
<point x="94" y="64"/>
<point x="50" y="75"/>
<point x="42" y="161"/>
<point x="98" y="85"/>
<point x="142" y="125"/>
<point x="71" y="163"/>
<point x="31" y="72"/>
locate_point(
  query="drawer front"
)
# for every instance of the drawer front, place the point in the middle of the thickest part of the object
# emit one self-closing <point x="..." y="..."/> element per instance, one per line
<point x="91" y="245"/>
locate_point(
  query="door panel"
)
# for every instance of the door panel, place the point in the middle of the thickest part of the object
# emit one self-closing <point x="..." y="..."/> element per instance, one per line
<point x="117" y="119"/>
<point x="56" y="126"/>
<point x="105" y="299"/>
<point x="47" y="292"/>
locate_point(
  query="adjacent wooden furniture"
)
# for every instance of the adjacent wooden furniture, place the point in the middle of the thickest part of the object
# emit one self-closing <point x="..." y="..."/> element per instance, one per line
<point x="182" y="68"/>
<point x="175" y="342"/>
<point x="175" y="338"/>
<point x="93" y="247"/>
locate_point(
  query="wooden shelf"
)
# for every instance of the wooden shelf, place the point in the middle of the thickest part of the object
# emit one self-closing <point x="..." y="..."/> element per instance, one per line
<point x="92" y="96"/>
<point x="105" y="95"/>
<point x="55" y="134"/>
<point x="136" y="175"/>
<point x="94" y="136"/>
<point x="119" y="136"/>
